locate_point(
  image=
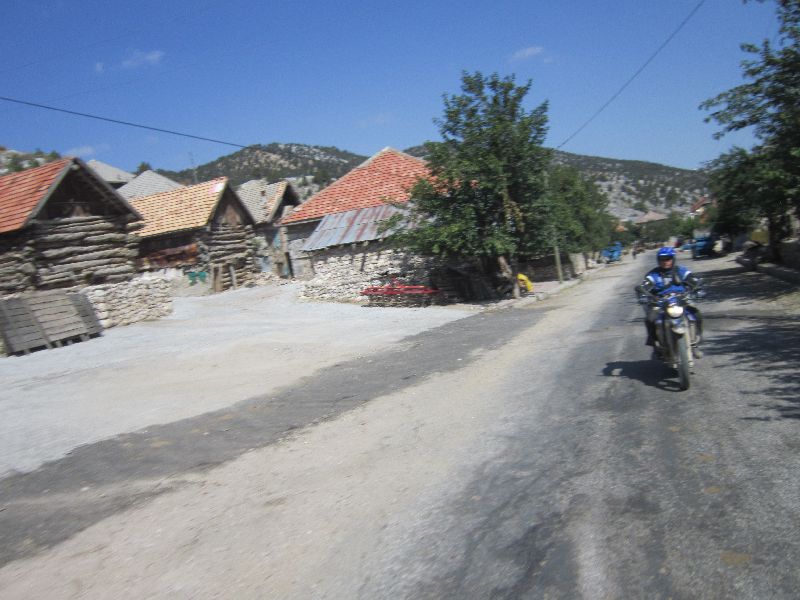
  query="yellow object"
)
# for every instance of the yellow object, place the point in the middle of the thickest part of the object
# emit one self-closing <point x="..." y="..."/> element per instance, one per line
<point x="524" y="281"/>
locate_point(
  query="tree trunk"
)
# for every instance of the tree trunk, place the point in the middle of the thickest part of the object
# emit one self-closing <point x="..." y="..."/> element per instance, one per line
<point x="509" y="274"/>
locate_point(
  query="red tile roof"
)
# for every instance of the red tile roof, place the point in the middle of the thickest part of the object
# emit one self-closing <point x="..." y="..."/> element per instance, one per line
<point x="22" y="193"/>
<point x="388" y="175"/>
<point x="181" y="209"/>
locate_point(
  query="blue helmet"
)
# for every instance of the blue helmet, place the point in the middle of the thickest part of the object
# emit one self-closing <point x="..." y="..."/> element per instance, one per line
<point x="665" y="253"/>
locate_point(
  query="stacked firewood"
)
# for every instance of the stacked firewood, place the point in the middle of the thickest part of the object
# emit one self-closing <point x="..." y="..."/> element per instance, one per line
<point x="228" y="250"/>
<point x="83" y="250"/>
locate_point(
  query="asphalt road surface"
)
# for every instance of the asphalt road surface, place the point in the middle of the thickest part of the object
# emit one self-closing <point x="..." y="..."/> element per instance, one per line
<point x="530" y="452"/>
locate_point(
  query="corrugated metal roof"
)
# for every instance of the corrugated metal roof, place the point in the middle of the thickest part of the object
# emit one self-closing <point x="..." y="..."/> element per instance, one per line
<point x="350" y="227"/>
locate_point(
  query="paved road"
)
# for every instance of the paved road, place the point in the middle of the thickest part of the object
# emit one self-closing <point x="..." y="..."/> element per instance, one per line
<point x="535" y="452"/>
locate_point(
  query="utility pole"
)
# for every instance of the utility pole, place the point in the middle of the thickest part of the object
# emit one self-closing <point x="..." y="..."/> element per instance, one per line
<point x="553" y="236"/>
<point x="557" y="254"/>
<point x="194" y="170"/>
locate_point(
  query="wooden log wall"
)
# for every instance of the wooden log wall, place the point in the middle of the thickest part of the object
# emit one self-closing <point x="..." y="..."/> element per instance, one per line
<point x="83" y="250"/>
<point x="228" y="252"/>
<point x="16" y="264"/>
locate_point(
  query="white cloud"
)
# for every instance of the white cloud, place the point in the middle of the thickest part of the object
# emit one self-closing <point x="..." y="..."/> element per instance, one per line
<point x="140" y="59"/>
<point x="527" y="53"/>
<point x="86" y="151"/>
<point x="99" y="67"/>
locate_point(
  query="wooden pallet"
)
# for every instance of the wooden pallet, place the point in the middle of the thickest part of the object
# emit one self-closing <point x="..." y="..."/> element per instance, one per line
<point x="46" y="320"/>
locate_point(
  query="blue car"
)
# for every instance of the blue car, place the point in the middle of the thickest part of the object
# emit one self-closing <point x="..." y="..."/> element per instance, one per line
<point x="703" y="246"/>
<point x="612" y="253"/>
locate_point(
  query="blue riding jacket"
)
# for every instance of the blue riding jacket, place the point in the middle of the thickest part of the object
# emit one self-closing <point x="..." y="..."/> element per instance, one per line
<point x="658" y="280"/>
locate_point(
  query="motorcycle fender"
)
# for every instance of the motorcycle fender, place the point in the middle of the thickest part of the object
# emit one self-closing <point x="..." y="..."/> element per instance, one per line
<point x="678" y="326"/>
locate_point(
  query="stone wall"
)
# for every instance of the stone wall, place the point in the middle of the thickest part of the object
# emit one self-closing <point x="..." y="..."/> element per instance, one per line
<point x="128" y="302"/>
<point x="143" y="299"/>
<point x="341" y="273"/>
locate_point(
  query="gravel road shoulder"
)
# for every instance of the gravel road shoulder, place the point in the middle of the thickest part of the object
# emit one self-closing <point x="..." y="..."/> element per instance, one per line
<point x="211" y="352"/>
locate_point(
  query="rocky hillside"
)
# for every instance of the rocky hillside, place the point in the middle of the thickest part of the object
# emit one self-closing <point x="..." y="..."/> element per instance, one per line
<point x="319" y="164"/>
<point x="633" y="187"/>
<point x="12" y="161"/>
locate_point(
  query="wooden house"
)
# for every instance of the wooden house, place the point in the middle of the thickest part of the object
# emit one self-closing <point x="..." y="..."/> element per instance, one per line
<point x="268" y="202"/>
<point x="61" y="225"/>
<point x="203" y="228"/>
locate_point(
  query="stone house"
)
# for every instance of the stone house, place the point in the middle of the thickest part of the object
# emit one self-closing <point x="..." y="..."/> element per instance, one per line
<point x="384" y="179"/>
<point x="268" y="202"/>
<point x="203" y="229"/>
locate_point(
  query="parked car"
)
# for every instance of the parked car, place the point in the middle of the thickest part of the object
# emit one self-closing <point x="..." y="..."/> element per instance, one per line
<point x="703" y="246"/>
<point x="611" y="253"/>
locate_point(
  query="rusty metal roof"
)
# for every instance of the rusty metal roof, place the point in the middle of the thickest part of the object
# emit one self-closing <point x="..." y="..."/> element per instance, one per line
<point x="349" y="227"/>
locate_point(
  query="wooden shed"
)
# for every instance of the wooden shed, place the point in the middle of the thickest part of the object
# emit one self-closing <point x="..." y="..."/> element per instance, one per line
<point x="203" y="228"/>
<point x="268" y="202"/>
<point x="61" y="225"/>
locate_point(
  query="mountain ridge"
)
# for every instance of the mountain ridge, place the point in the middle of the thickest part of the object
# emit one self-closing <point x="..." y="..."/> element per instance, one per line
<point x="633" y="187"/>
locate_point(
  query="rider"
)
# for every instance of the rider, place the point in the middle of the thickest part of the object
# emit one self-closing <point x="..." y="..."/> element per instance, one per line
<point x="656" y="281"/>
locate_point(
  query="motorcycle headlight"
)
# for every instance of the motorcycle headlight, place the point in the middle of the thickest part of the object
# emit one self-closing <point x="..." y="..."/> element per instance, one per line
<point x="674" y="310"/>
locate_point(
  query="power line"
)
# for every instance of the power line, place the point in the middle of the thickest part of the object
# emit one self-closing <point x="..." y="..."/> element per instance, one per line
<point x="118" y="122"/>
<point x="635" y="75"/>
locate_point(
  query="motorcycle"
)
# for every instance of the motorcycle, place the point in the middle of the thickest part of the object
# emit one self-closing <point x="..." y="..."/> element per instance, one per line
<point x="677" y="329"/>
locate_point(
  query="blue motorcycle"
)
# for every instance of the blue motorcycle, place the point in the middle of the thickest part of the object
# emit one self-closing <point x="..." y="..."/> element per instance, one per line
<point x="678" y="329"/>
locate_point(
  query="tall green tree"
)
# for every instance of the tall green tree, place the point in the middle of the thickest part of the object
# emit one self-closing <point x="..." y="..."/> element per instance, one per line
<point x="750" y="186"/>
<point x="769" y="103"/>
<point x="486" y="197"/>
<point x="581" y="221"/>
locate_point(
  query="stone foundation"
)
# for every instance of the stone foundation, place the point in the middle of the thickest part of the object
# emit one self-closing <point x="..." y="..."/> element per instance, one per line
<point x="341" y="273"/>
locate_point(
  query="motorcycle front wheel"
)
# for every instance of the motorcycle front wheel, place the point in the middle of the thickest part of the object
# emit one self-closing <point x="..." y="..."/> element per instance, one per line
<point x="683" y="362"/>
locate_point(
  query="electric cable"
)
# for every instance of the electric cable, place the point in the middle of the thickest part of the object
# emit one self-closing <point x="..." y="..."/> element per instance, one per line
<point x="119" y="122"/>
<point x="635" y="75"/>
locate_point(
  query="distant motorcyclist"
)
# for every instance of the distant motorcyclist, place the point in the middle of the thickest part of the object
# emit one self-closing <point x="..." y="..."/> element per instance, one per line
<point x="668" y="275"/>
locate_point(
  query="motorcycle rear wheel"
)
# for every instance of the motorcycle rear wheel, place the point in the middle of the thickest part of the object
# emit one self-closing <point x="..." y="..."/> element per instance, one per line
<point x="683" y="362"/>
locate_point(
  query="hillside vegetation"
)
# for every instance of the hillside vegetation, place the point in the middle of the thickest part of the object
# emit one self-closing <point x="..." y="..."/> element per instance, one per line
<point x="634" y="186"/>
<point x="273" y="162"/>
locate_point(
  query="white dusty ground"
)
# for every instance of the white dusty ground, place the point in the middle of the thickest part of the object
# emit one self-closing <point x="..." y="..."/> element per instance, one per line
<point x="294" y="519"/>
<point x="211" y="352"/>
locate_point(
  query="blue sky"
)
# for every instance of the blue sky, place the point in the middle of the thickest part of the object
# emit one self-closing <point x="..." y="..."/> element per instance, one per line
<point x="362" y="75"/>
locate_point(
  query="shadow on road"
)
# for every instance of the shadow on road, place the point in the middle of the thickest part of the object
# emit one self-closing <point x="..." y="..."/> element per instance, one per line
<point x="739" y="283"/>
<point x="766" y="344"/>
<point x="650" y="372"/>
